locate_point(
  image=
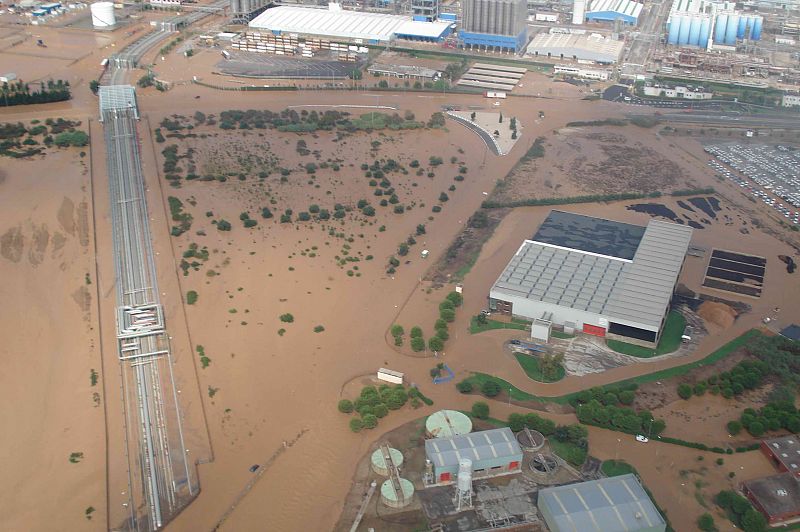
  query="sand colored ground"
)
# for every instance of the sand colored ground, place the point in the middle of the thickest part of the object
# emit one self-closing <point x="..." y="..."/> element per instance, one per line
<point x="51" y="346"/>
<point x="303" y="361"/>
<point x="255" y="372"/>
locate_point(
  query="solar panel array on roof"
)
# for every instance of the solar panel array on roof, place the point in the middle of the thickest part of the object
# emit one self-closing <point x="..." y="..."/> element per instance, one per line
<point x="487" y="445"/>
<point x="587" y="233"/>
<point x="615" y="504"/>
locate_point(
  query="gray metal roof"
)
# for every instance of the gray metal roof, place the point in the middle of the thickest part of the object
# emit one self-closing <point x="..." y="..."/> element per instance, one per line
<point x="477" y="446"/>
<point x="117" y="97"/>
<point x="632" y="292"/>
<point x="614" y="504"/>
<point x="570" y="278"/>
<point x="644" y="292"/>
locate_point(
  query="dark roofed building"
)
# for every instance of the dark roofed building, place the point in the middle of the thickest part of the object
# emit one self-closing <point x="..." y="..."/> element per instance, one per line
<point x="792" y="332"/>
<point x="777" y="496"/>
<point x="784" y="453"/>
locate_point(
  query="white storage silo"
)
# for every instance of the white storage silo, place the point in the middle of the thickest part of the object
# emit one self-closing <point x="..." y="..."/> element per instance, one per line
<point x="578" y="11"/>
<point x="103" y="15"/>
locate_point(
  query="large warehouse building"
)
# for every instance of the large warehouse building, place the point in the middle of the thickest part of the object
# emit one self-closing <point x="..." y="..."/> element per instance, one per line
<point x="356" y="26"/>
<point x="577" y="47"/>
<point x="494" y="25"/>
<point x="615" y="504"/>
<point x="602" y="277"/>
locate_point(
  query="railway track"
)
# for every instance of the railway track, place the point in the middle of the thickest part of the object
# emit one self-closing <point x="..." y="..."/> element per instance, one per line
<point x="160" y="484"/>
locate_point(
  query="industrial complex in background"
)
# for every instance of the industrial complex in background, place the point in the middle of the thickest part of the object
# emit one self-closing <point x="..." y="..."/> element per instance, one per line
<point x="677" y="46"/>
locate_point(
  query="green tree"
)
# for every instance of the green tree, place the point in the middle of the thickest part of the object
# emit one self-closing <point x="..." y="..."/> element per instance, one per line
<point x="455" y="298"/>
<point x="448" y="315"/>
<point x="734" y="427"/>
<point x="490" y="389"/>
<point x="94" y="86"/>
<point x="706" y="523"/>
<point x="756" y="429"/>
<point x="397" y="330"/>
<point x="286" y="318"/>
<point x="416" y="332"/>
<point x="464" y="386"/>
<point x="345" y="406"/>
<point x="356" y="424"/>
<point x="417" y="344"/>
<point x="370" y="421"/>
<point x="481" y="319"/>
<point x="380" y="410"/>
<point x="191" y="297"/>
<point x="753" y="521"/>
<point x="435" y="343"/>
<point x="684" y="391"/>
<point x="480" y="410"/>
<point x="472" y="116"/>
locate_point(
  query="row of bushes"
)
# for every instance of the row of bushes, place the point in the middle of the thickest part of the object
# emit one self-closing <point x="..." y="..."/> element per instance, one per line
<point x="593" y="198"/>
<point x="19" y="93"/>
<point x="184" y="219"/>
<point x="746" y="375"/>
<point x="619" y="418"/>
<point x="608" y="396"/>
<point x="447" y="314"/>
<point x="774" y="416"/>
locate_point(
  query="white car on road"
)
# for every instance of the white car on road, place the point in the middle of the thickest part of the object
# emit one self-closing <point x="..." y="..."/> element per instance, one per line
<point x="641" y="438"/>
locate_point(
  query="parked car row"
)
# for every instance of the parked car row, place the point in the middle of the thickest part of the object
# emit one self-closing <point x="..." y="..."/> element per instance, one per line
<point x="767" y="173"/>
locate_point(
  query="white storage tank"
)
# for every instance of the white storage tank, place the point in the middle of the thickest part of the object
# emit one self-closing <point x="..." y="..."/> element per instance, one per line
<point x="464" y="480"/>
<point x="103" y="15"/>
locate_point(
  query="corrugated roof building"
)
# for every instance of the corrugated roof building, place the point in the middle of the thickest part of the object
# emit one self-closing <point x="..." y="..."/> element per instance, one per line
<point x="337" y="23"/>
<point x="493" y="452"/>
<point x="598" y="276"/>
<point x="615" y="504"/>
<point x="626" y="11"/>
<point x="591" y="47"/>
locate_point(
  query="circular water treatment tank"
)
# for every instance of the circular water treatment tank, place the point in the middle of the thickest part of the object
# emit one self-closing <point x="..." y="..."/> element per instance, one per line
<point x="544" y="464"/>
<point x="379" y="464"/>
<point x="103" y="14"/>
<point x="392" y="499"/>
<point x="530" y="440"/>
<point x="448" y="423"/>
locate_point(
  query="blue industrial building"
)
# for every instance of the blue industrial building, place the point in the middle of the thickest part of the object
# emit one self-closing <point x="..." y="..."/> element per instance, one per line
<point x="626" y="11"/>
<point x="489" y="41"/>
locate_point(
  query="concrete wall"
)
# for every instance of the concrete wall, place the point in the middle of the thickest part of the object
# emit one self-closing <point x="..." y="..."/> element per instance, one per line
<point x="530" y="309"/>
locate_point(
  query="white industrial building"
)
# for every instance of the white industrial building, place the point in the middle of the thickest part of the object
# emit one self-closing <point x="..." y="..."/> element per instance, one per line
<point x="585" y="73"/>
<point x="791" y="100"/>
<point x="680" y="92"/>
<point x="357" y="26"/>
<point x="578" y="47"/>
<point x="597" y="276"/>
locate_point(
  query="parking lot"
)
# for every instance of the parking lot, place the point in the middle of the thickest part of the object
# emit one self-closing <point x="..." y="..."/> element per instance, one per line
<point x="768" y="173"/>
<point x="256" y="65"/>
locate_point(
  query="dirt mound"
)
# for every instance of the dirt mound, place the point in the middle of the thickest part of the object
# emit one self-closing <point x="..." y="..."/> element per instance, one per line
<point x="718" y="314"/>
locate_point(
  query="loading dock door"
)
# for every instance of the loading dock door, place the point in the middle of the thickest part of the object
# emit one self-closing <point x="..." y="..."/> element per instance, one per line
<point x="594" y="330"/>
